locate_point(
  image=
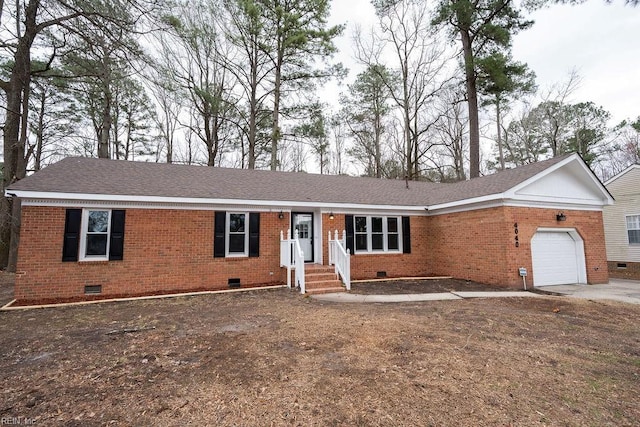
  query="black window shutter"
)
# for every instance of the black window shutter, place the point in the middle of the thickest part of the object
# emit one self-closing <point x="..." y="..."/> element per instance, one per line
<point x="218" y="234"/>
<point x="116" y="245"/>
<point x="71" y="239"/>
<point x="406" y="235"/>
<point x="254" y="234"/>
<point x="348" y="227"/>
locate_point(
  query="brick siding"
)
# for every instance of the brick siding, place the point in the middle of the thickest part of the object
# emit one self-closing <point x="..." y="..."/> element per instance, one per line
<point x="367" y="266"/>
<point x="164" y="250"/>
<point x="631" y="271"/>
<point x="480" y="245"/>
<point x="172" y="251"/>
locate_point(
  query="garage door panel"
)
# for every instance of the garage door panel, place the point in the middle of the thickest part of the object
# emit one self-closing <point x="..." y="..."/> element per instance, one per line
<point x="555" y="259"/>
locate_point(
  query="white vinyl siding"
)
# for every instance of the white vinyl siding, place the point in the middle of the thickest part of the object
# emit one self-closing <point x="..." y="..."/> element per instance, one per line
<point x="626" y="190"/>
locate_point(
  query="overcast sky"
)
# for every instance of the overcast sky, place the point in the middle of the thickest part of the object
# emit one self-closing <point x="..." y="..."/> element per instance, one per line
<point x="599" y="40"/>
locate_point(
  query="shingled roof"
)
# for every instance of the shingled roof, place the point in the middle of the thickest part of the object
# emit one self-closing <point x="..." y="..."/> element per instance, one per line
<point x="88" y="176"/>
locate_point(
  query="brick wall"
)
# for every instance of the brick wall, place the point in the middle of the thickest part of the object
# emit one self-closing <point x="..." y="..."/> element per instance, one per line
<point x="630" y="271"/>
<point x="164" y="251"/>
<point x="172" y="251"/>
<point x="480" y="245"/>
<point x="366" y="266"/>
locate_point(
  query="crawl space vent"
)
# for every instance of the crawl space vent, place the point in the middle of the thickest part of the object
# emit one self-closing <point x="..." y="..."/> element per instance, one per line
<point x="92" y="289"/>
<point x="234" y="283"/>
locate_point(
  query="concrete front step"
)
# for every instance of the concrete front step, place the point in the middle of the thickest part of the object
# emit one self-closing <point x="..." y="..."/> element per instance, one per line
<point x="325" y="290"/>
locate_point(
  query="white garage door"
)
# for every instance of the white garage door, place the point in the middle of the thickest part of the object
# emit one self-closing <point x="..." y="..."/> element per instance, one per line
<point x="557" y="258"/>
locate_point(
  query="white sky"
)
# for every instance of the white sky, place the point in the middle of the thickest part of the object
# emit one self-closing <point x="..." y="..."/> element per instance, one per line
<point x="599" y="40"/>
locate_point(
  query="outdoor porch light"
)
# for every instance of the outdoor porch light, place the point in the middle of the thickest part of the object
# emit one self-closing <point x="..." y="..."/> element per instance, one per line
<point x="331" y="216"/>
<point x="560" y="216"/>
<point x="280" y="215"/>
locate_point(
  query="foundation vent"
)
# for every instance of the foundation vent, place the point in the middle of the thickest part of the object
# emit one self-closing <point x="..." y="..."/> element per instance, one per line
<point x="92" y="289"/>
<point x="381" y="274"/>
<point x="234" y="283"/>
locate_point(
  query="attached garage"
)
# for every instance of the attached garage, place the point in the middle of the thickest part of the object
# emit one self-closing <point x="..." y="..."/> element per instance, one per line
<point x="558" y="257"/>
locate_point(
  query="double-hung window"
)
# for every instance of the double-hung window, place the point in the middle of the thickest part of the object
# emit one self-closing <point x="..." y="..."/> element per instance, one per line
<point x="633" y="229"/>
<point x="237" y="234"/>
<point x="377" y="234"/>
<point x="94" y="238"/>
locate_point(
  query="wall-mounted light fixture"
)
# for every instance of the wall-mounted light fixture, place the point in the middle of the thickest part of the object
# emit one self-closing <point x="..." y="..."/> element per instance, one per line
<point x="331" y="216"/>
<point x="560" y="216"/>
<point x="280" y="215"/>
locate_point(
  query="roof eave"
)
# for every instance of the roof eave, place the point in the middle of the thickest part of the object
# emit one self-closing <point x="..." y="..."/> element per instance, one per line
<point x="39" y="196"/>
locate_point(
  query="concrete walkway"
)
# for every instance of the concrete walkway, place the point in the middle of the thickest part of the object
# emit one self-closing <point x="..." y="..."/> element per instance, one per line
<point x="346" y="297"/>
<point x="617" y="290"/>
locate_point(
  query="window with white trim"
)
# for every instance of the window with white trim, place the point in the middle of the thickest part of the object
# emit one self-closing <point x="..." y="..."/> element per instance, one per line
<point x="237" y="234"/>
<point x="94" y="237"/>
<point x="377" y="234"/>
<point x="633" y="229"/>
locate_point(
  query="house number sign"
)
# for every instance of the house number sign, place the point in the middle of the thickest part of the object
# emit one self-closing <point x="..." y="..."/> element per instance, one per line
<point x="515" y="232"/>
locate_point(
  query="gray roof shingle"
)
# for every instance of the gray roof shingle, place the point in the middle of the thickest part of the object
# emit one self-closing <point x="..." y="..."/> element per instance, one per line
<point x="117" y="177"/>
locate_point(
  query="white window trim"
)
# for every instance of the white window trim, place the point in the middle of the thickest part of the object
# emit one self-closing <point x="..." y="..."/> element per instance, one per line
<point x="626" y="224"/>
<point x="227" y="234"/>
<point x="83" y="236"/>
<point x="385" y="235"/>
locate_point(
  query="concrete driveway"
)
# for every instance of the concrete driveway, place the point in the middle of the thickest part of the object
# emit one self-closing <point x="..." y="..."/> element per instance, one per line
<point x="617" y="290"/>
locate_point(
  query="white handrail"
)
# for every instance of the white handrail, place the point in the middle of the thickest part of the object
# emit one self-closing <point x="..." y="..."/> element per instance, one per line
<point x="298" y="262"/>
<point x="341" y="258"/>
<point x="285" y="255"/>
<point x="292" y="257"/>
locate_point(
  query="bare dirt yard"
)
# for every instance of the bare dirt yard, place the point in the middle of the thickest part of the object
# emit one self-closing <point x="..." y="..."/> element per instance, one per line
<point x="274" y="357"/>
<point x="422" y="286"/>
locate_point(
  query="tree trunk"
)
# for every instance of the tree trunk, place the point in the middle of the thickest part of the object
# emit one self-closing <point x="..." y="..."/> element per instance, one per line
<point x="275" y="133"/>
<point x="253" y="106"/>
<point x="499" y="128"/>
<point x="16" y="211"/>
<point x="169" y="131"/>
<point x="105" y="128"/>
<point x="407" y="123"/>
<point x="472" y="103"/>
<point x="14" y="163"/>
<point x="37" y="155"/>
<point x="378" y="132"/>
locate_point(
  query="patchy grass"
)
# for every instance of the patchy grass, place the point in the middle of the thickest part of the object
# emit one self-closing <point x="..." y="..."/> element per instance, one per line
<point x="277" y="358"/>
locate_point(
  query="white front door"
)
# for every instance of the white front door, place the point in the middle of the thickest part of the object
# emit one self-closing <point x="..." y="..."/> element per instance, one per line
<point x="303" y="223"/>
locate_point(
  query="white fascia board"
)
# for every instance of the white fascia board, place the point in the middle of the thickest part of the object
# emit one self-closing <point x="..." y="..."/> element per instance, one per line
<point x="500" y="200"/>
<point x="33" y="198"/>
<point x="468" y="204"/>
<point x="574" y="158"/>
<point x="555" y="201"/>
<point x="439" y="210"/>
<point x="556" y="205"/>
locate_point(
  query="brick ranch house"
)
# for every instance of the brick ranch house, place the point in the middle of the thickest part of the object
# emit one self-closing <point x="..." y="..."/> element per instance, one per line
<point x="94" y="228"/>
